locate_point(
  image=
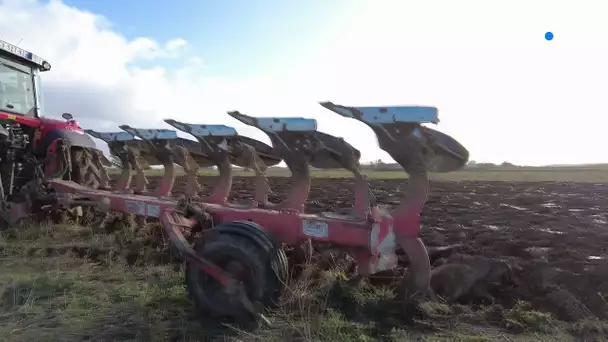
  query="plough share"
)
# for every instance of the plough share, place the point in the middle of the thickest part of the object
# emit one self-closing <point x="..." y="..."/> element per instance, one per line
<point x="238" y="267"/>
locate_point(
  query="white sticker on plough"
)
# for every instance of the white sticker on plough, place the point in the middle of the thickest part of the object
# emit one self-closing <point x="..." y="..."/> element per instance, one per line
<point x="318" y="229"/>
<point x="141" y="208"/>
<point x="382" y="245"/>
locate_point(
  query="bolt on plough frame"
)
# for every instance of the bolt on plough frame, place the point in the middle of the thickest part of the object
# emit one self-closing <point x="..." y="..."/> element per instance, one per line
<point x="238" y="267"/>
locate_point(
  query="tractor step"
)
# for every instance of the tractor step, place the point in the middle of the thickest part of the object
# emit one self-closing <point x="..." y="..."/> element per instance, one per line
<point x="387" y="114"/>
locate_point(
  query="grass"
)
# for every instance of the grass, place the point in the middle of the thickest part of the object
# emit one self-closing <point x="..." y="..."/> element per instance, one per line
<point x="582" y="174"/>
<point x="70" y="283"/>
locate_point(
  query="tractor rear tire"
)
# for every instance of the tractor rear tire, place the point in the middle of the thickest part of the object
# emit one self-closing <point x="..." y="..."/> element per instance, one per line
<point x="84" y="169"/>
<point x="87" y="172"/>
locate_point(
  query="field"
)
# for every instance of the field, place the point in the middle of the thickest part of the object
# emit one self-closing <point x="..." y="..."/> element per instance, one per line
<point x="578" y="174"/>
<point x="543" y="232"/>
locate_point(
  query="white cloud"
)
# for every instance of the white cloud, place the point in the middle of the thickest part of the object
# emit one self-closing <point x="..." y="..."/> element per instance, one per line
<point x="94" y="73"/>
<point x="176" y="44"/>
<point x="502" y="90"/>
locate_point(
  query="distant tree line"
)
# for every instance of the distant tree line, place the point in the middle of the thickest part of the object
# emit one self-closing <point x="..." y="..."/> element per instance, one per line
<point x="474" y="164"/>
<point x="379" y="165"/>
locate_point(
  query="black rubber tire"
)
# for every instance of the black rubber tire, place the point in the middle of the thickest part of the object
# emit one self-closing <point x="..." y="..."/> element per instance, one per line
<point x="250" y="245"/>
<point x="272" y="248"/>
<point x="85" y="171"/>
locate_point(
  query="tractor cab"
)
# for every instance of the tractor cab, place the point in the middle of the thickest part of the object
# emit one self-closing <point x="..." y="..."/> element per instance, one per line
<point x="28" y="140"/>
<point x="20" y="82"/>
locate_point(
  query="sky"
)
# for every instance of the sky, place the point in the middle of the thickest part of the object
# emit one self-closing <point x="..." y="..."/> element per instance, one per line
<point x="502" y="89"/>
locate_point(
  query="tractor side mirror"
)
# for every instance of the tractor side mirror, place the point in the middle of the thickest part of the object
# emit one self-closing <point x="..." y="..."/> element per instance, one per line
<point x="67" y="116"/>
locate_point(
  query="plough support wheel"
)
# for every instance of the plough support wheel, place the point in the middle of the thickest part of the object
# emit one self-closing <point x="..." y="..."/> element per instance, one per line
<point x="250" y="256"/>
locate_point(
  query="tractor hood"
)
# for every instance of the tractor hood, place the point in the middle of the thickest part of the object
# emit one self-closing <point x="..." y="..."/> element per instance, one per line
<point x="49" y="124"/>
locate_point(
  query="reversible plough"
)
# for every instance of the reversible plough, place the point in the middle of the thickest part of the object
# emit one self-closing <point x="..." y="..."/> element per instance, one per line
<point x="238" y="267"/>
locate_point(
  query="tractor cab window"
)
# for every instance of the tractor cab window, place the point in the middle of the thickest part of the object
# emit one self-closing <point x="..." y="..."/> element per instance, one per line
<point x="17" y="93"/>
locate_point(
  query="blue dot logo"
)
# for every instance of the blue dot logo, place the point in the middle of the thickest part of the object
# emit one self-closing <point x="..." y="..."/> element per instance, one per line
<point x="549" y="36"/>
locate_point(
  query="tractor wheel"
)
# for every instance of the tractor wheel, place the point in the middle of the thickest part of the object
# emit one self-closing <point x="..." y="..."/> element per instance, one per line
<point x="84" y="169"/>
<point x="270" y="246"/>
<point x="246" y="255"/>
<point x="86" y="172"/>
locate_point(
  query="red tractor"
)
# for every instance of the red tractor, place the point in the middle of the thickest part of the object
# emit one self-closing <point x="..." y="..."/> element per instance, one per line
<point x="31" y="141"/>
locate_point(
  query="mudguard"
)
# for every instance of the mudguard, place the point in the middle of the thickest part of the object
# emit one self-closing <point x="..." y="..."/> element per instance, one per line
<point x="75" y="139"/>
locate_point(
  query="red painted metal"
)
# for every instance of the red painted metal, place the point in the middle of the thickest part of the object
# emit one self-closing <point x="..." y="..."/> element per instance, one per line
<point x="45" y="124"/>
<point x="288" y="225"/>
<point x="24" y="120"/>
